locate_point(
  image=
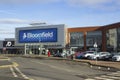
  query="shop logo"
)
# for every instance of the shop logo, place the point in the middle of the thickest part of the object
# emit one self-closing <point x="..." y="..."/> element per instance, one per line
<point x="38" y="35"/>
<point x="9" y="44"/>
<point x="24" y="36"/>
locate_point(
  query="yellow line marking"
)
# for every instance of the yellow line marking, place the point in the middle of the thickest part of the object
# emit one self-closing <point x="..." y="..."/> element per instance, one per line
<point x="15" y="64"/>
<point x="7" y="66"/>
<point x="4" y="59"/>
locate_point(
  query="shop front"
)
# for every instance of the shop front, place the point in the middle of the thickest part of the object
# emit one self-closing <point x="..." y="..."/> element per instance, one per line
<point x="40" y="39"/>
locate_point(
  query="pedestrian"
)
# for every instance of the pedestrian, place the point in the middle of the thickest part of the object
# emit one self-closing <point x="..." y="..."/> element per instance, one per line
<point x="49" y="53"/>
<point x="71" y="56"/>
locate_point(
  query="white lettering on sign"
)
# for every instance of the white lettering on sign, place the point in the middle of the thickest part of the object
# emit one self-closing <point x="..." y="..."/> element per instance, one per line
<point x="9" y="43"/>
<point x="24" y="35"/>
<point x="38" y="35"/>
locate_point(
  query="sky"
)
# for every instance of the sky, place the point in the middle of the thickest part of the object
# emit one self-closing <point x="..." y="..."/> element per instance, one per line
<point x="73" y="13"/>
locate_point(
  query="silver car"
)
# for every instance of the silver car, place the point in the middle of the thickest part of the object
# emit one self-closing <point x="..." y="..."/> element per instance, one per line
<point x="101" y="56"/>
<point x="116" y="57"/>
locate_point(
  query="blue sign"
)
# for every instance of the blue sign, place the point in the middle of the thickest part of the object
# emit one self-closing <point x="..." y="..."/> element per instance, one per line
<point x="38" y="35"/>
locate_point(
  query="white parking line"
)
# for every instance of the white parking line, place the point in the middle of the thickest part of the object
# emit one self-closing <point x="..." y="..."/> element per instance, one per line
<point x="101" y="78"/>
<point x="13" y="72"/>
<point x="18" y="70"/>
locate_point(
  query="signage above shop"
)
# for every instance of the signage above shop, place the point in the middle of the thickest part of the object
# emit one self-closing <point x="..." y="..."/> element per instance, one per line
<point x="38" y="35"/>
<point x="8" y="43"/>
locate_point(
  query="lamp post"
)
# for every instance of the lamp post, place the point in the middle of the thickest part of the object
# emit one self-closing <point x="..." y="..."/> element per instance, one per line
<point x="25" y="49"/>
<point x="95" y="46"/>
<point x="39" y="45"/>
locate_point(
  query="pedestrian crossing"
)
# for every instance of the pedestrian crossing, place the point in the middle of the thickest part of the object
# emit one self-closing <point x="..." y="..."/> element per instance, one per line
<point x="111" y="76"/>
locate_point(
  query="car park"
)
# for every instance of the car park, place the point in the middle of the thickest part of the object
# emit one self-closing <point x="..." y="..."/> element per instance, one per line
<point x="101" y="56"/>
<point x="116" y="57"/>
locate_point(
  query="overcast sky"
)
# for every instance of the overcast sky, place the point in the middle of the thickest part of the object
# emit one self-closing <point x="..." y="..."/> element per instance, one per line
<point x="73" y="13"/>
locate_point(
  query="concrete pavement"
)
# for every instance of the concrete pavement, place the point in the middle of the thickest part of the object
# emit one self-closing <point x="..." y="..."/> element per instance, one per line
<point x="103" y="65"/>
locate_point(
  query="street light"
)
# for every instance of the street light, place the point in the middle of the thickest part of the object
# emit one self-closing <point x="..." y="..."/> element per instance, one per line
<point x="95" y="46"/>
<point x="40" y="46"/>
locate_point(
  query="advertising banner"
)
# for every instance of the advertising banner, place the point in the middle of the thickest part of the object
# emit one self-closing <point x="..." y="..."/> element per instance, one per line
<point x="38" y="35"/>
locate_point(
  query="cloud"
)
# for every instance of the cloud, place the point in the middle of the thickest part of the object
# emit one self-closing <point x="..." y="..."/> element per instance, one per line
<point x="7" y="12"/>
<point x="7" y="32"/>
<point x="101" y="4"/>
<point x="18" y="21"/>
<point x="13" y="21"/>
<point x="88" y="3"/>
<point x="97" y="4"/>
<point x="26" y="1"/>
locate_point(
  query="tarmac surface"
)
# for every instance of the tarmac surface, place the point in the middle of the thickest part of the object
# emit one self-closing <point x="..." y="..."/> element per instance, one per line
<point x="5" y="62"/>
<point x="109" y="65"/>
<point x="106" y="64"/>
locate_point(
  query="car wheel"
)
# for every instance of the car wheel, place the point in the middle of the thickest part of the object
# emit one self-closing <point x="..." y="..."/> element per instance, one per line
<point x="88" y="57"/>
<point x="97" y="58"/>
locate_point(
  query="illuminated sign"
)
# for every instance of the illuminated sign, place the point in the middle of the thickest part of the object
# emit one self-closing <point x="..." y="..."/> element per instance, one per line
<point x="38" y="35"/>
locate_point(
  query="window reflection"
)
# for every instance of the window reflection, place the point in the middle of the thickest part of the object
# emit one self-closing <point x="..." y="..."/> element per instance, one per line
<point x="92" y="37"/>
<point x="76" y="39"/>
<point x="111" y="36"/>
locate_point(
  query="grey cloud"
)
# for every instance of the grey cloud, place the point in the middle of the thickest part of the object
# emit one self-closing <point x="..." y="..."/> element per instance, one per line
<point x="13" y="21"/>
<point x="18" y="21"/>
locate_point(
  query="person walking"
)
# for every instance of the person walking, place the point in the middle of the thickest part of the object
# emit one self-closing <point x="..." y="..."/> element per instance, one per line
<point x="49" y="53"/>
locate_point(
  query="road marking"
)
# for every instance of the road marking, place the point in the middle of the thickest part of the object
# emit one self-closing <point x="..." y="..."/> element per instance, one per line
<point x="15" y="64"/>
<point x="13" y="72"/>
<point x="18" y="70"/>
<point x="101" y="78"/>
<point x="8" y="66"/>
<point x="14" y="68"/>
<point x="5" y="66"/>
<point x="5" y="59"/>
<point x="111" y="77"/>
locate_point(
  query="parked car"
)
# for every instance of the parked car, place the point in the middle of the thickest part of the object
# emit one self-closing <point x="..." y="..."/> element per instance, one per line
<point x="88" y="54"/>
<point x="64" y="54"/>
<point x="79" y="55"/>
<point x="57" y="55"/>
<point x="116" y="57"/>
<point x="102" y="56"/>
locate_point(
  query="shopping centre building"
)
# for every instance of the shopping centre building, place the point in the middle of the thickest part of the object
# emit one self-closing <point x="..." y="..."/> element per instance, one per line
<point x="107" y="37"/>
<point x="37" y="38"/>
